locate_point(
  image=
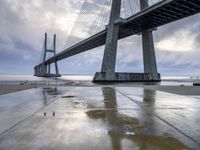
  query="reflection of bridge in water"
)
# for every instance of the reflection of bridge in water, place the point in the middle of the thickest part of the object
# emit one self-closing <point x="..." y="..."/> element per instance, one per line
<point x="99" y="118"/>
<point x="49" y="93"/>
<point x="124" y="128"/>
<point x="144" y="22"/>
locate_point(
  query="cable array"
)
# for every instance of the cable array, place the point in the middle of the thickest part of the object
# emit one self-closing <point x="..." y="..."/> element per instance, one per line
<point x="94" y="16"/>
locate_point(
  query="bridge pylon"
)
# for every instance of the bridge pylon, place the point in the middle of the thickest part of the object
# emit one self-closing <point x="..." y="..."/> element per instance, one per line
<point x="109" y="59"/>
<point x="44" y="70"/>
<point x="108" y="73"/>
<point x="149" y="58"/>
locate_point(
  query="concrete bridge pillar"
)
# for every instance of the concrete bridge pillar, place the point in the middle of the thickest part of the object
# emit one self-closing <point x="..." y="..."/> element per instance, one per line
<point x="110" y="52"/>
<point x="44" y="70"/>
<point x="54" y="51"/>
<point x="149" y="58"/>
<point x="49" y="69"/>
<point x="109" y="59"/>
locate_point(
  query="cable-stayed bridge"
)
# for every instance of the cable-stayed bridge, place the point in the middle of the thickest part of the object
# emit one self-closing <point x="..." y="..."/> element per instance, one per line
<point x="125" y="18"/>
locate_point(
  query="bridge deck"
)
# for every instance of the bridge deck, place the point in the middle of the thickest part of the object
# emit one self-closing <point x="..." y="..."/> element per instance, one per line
<point x="157" y="15"/>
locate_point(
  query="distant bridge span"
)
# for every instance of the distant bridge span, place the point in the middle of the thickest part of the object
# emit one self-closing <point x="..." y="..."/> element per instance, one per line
<point x="149" y="18"/>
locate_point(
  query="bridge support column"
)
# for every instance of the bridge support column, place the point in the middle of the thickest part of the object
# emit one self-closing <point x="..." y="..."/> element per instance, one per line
<point x="149" y="58"/>
<point x="54" y="51"/>
<point x="109" y="59"/>
<point x="49" y="69"/>
<point x="110" y="52"/>
<point x="44" y="69"/>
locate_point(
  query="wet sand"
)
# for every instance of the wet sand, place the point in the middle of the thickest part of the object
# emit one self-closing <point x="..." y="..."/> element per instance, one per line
<point x="5" y="89"/>
<point x="181" y="90"/>
<point x="175" y="89"/>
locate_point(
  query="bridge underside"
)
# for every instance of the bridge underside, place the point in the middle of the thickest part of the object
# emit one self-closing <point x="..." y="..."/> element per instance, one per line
<point x="157" y="15"/>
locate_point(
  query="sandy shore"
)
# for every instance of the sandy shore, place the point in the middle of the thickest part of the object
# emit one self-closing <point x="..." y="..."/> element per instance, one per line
<point x="5" y="89"/>
<point x="181" y="90"/>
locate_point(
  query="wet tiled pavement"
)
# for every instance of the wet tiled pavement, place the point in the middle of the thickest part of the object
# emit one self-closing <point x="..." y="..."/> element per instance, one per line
<point x="109" y="118"/>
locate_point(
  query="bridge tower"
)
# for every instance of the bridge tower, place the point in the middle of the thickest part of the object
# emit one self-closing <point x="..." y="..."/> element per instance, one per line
<point x="110" y="52"/>
<point x="149" y="58"/>
<point x="44" y="70"/>
<point x="109" y="59"/>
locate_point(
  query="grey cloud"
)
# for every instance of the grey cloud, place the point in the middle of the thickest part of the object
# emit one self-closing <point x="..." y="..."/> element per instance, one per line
<point x="22" y="30"/>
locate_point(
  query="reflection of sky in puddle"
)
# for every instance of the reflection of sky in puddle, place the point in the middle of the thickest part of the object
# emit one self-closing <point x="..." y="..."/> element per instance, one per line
<point x="17" y="106"/>
<point x="125" y="127"/>
<point x="157" y="99"/>
<point x="101" y="118"/>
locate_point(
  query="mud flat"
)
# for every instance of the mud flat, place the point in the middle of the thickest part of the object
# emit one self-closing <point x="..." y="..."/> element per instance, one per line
<point x="175" y="89"/>
<point x="182" y="90"/>
<point x="5" y="89"/>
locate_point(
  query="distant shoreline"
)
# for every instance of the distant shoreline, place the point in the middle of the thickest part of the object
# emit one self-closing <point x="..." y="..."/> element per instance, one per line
<point x="173" y="84"/>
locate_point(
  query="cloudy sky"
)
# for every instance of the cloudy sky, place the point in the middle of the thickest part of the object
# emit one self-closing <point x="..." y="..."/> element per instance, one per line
<point x="24" y="22"/>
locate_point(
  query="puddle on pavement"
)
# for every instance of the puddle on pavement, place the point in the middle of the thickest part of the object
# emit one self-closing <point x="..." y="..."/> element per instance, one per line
<point x="96" y="114"/>
<point x="123" y="129"/>
<point x="68" y="96"/>
<point x="123" y="119"/>
<point x="147" y="142"/>
<point x="117" y="118"/>
<point x="79" y="104"/>
<point x="51" y="91"/>
<point x="156" y="142"/>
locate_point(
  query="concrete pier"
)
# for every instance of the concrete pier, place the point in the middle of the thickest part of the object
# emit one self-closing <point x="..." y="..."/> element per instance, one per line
<point x="149" y="58"/>
<point x="100" y="118"/>
<point x="108" y="73"/>
<point x="44" y="70"/>
<point x="126" y="77"/>
<point x="110" y="52"/>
